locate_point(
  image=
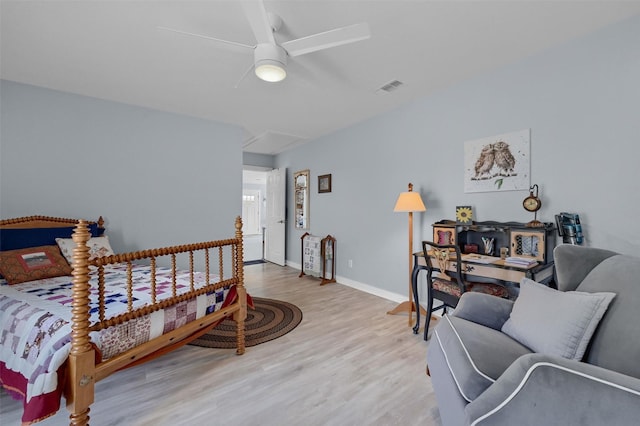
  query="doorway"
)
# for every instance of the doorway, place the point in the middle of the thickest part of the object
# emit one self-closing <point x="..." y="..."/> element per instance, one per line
<point x="264" y="215"/>
<point x="254" y="192"/>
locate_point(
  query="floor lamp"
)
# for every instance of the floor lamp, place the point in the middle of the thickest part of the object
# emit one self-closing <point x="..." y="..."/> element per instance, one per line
<point x="409" y="202"/>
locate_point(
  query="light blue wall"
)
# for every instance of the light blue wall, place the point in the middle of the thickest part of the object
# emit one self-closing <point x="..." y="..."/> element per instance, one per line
<point x="157" y="178"/>
<point x="582" y="104"/>
<point x="259" y="160"/>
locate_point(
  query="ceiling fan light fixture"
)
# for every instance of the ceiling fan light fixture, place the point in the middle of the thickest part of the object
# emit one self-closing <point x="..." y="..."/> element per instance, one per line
<point x="270" y="70"/>
<point x="270" y="62"/>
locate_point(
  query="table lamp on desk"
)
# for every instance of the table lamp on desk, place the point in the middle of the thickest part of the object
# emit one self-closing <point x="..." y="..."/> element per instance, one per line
<point x="409" y="202"/>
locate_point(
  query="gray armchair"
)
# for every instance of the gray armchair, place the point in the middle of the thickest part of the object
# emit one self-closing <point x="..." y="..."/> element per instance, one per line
<point x="483" y="376"/>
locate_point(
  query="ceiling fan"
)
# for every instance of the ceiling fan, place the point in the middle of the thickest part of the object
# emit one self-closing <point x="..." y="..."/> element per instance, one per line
<point x="270" y="58"/>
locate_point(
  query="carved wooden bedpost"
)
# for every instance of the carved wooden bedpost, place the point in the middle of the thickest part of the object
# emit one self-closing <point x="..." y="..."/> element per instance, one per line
<point x="81" y="366"/>
<point x="240" y="315"/>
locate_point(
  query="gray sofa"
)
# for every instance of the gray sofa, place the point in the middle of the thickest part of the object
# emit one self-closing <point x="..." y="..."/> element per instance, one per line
<point x="483" y="375"/>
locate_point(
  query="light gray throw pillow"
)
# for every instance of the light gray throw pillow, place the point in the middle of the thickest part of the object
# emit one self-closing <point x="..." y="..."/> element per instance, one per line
<point x="555" y="322"/>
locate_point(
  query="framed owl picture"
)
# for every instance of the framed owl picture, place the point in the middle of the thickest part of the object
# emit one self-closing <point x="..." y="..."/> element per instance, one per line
<point x="498" y="163"/>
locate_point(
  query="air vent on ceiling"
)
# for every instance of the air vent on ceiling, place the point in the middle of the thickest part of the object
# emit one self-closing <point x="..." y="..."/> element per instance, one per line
<point x="390" y="86"/>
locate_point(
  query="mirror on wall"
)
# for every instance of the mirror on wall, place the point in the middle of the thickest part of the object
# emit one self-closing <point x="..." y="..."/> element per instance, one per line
<point x="301" y="197"/>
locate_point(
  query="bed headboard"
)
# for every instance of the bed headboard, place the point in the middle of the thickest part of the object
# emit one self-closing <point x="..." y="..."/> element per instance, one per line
<point x="35" y="231"/>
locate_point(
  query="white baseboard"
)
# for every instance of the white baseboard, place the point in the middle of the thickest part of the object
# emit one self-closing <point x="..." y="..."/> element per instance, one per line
<point x="385" y="294"/>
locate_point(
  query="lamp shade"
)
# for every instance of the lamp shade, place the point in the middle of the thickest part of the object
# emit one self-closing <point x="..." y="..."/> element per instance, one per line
<point x="409" y="202"/>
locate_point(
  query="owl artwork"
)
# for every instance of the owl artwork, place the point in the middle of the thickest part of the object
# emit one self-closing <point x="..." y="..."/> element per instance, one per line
<point x="498" y="163"/>
<point x="485" y="161"/>
<point x="503" y="158"/>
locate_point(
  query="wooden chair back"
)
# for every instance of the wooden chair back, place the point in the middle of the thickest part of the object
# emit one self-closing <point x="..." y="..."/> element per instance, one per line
<point x="444" y="263"/>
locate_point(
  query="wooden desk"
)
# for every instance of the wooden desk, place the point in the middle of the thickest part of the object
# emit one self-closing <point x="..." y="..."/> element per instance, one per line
<point x="497" y="271"/>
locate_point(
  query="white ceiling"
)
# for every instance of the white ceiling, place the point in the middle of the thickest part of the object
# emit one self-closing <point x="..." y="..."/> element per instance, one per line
<point x="114" y="50"/>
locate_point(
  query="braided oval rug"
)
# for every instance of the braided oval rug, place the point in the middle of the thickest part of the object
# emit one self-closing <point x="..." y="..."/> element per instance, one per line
<point x="269" y="320"/>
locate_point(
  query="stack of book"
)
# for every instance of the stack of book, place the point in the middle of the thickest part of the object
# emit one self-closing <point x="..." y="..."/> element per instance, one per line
<point x="520" y="261"/>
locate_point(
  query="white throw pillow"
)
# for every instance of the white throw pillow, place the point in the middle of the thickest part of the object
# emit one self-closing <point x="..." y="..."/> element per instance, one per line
<point x="98" y="247"/>
<point x="555" y="322"/>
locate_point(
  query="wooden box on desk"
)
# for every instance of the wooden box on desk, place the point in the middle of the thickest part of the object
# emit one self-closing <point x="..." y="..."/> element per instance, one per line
<point x="445" y="232"/>
<point x="537" y="243"/>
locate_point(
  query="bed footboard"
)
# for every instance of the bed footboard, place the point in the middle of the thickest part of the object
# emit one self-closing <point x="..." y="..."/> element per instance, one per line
<point x="83" y="371"/>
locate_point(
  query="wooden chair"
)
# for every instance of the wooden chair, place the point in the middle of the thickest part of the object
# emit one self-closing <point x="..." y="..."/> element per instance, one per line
<point x="449" y="286"/>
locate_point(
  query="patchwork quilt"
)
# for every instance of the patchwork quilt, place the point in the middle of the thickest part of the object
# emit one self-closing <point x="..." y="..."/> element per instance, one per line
<point x="35" y="327"/>
<point x="312" y="255"/>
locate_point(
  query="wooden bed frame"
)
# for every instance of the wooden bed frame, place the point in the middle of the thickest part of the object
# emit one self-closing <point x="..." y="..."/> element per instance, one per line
<point x="82" y="370"/>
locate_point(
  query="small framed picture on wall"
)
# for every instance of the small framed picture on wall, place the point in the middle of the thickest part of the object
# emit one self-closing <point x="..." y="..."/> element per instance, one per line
<point x="324" y="183"/>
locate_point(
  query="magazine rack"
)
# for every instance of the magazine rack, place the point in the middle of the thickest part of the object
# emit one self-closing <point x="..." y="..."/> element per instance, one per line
<point x="316" y="255"/>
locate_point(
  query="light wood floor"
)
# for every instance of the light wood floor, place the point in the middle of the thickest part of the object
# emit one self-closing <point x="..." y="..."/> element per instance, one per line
<point x="347" y="363"/>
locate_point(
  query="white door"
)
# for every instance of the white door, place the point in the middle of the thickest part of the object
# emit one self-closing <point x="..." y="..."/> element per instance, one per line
<point x="274" y="239"/>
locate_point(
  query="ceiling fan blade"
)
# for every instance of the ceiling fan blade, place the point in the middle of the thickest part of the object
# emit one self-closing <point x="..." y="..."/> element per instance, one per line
<point x="327" y="39"/>
<point x="259" y="21"/>
<point x="226" y="44"/>
<point x="243" y="76"/>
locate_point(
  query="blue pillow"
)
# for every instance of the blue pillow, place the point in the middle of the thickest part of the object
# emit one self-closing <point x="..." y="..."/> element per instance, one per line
<point x="17" y="238"/>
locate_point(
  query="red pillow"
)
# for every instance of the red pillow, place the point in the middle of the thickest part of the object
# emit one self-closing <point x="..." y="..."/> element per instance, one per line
<point x="34" y="263"/>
